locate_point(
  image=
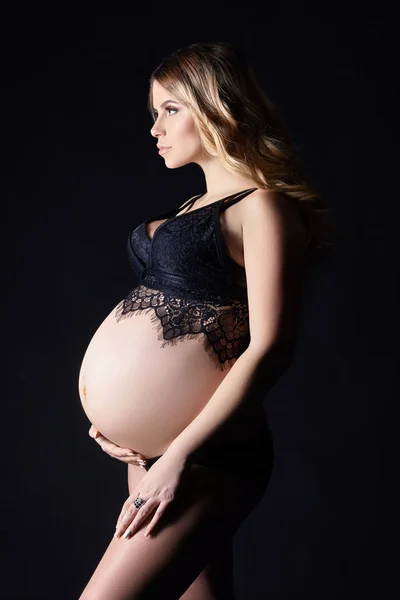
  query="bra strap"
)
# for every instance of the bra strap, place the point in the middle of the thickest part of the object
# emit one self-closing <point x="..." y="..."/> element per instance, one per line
<point x="189" y="203"/>
<point x="173" y="212"/>
<point x="226" y="202"/>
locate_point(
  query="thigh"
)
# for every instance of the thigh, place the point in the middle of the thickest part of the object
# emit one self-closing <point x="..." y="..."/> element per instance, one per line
<point x="215" y="582"/>
<point x="193" y="531"/>
<point x="216" y="578"/>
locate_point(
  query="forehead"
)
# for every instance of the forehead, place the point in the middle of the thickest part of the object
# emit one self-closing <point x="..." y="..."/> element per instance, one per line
<point x="159" y="94"/>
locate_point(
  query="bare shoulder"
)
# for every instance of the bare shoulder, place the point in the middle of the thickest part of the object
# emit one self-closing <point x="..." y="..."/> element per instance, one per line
<point x="277" y="213"/>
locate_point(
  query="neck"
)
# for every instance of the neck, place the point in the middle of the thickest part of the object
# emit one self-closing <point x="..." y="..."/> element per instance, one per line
<point x="220" y="182"/>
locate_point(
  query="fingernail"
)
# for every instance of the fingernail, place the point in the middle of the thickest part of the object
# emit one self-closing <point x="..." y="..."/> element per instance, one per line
<point x="126" y="534"/>
<point x="129" y="454"/>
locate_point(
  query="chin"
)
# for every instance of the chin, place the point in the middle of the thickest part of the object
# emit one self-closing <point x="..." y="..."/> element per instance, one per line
<point x="175" y="164"/>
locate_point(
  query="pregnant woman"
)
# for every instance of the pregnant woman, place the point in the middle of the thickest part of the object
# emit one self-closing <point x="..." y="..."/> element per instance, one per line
<point x="176" y="374"/>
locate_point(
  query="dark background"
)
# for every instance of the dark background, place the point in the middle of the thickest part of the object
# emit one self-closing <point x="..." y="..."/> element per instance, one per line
<point x="81" y="171"/>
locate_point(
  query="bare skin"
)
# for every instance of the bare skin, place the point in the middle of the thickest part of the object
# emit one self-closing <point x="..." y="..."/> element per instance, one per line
<point x="137" y="404"/>
<point x="185" y="558"/>
<point x="122" y="394"/>
<point x="201" y="520"/>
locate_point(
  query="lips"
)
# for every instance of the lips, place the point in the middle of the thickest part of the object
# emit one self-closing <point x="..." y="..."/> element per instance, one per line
<point x="163" y="149"/>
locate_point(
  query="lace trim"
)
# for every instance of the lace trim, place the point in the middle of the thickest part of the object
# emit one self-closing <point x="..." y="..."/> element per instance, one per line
<point x="225" y="327"/>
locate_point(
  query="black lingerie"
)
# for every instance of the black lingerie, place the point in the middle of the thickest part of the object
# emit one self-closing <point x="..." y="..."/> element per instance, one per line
<point x="188" y="281"/>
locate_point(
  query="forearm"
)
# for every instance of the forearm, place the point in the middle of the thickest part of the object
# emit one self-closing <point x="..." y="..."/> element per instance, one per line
<point x="247" y="381"/>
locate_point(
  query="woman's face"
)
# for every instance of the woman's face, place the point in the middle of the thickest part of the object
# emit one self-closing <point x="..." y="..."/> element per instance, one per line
<point x="174" y="127"/>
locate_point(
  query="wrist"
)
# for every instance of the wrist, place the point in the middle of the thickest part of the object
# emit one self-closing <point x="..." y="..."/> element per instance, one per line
<point x="178" y="455"/>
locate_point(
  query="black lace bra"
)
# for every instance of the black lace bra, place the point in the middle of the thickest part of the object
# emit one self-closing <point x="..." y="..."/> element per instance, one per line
<point x="188" y="281"/>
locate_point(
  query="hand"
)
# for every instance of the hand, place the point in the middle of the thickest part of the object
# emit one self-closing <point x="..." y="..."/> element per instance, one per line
<point x="125" y="455"/>
<point x="158" y="487"/>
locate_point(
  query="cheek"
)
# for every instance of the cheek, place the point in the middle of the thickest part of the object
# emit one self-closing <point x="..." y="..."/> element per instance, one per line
<point x="187" y="132"/>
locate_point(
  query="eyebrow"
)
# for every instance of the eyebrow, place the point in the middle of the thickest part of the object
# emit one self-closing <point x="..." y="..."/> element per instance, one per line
<point x="164" y="103"/>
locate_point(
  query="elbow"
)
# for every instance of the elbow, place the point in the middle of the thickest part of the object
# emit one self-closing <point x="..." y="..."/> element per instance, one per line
<point x="277" y="349"/>
<point x="272" y="360"/>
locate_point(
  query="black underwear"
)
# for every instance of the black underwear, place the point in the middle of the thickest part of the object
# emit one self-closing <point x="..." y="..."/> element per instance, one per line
<point x="251" y="459"/>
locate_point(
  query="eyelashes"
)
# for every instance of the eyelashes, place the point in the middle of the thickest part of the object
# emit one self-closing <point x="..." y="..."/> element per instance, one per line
<point x="167" y="108"/>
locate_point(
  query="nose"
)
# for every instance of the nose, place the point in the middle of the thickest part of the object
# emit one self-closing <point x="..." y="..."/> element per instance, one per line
<point x="156" y="130"/>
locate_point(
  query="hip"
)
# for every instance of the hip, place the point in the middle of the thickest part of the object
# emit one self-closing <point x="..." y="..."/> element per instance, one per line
<point x="249" y="459"/>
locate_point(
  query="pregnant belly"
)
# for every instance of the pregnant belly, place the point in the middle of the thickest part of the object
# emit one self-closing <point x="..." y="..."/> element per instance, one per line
<point x="140" y="395"/>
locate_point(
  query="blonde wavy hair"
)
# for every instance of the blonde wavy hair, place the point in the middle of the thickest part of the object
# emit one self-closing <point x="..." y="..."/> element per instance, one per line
<point x="237" y="122"/>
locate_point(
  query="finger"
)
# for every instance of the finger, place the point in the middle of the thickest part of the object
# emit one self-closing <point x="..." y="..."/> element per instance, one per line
<point x="127" y="452"/>
<point x="115" y="450"/>
<point x="124" y="454"/>
<point x="93" y="431"/>
<point x="131" y="460"/>
<point x="125" y="506"/>
<point x="128" y="506"/>
<point x="126" y="519"/>
<point x="131" y="524"/>
<point x="156" y="518"/>
<point x="99" y="438"/>
<point x="106" y="445"/>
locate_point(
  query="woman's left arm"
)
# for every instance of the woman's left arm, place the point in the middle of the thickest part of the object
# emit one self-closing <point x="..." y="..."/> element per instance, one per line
<point x="273" y="241"/>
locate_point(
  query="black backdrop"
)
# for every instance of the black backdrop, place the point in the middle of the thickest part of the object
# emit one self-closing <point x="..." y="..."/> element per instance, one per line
<point x="81" y="170"/>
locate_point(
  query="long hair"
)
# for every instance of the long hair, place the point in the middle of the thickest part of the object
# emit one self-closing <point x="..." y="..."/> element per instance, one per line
<point x="237" y="122"/>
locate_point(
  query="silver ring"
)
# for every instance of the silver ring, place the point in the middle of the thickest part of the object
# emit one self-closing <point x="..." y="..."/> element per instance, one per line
<point x="138" y="502"/>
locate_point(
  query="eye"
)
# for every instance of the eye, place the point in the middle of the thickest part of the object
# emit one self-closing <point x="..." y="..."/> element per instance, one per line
<point x="167" y="108"/>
